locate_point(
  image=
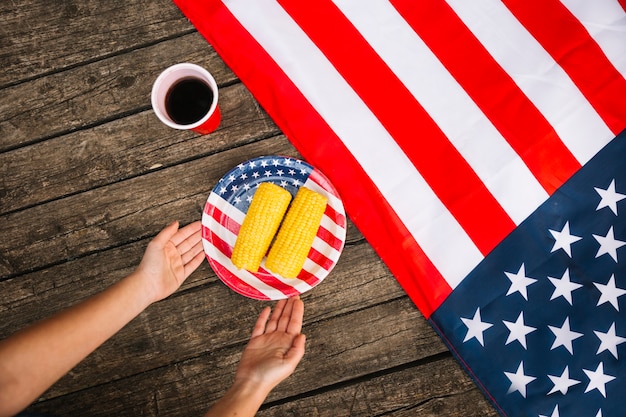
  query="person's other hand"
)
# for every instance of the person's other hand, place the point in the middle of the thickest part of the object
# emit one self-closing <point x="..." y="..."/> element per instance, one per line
<point x="170" y="258"/>
<point x="275" y="347"/>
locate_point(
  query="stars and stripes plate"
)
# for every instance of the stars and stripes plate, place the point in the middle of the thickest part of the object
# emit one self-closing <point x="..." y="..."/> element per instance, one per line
<point x="227" y="206"/>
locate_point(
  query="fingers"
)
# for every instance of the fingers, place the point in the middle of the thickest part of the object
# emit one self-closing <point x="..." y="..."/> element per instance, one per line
<point x="276" y="314"/>
<point x="193" y="264"/>
<point x="294" y="326"/>
<point x="259" y="326"/>
<point x="188" y="236"/>
<point x="190" y="233"/>
<point x="189" y="251"/>
<point x="287" y="316"/>
<point x="188" y="243"/>
<point x="296" y="351"/>
<point x="167" y="233"/>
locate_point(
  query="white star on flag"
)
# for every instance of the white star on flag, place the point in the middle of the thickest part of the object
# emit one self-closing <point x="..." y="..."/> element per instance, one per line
<point x="562" y="383"/>
<point x="609" y="197"/>
<point x="563" y="239"/>
<point x="475" y="327"/>
<point x="610" y="293"/>
<point x="564" y="336"/>
<point x="598" y="379"/>
<point x="608" y="244"/>
<point x="518" y="330"/>
<point x="519" y="282"/>
<point x="519" y="380"/>
<point x="555" y="412"/>
<point x="563" y="287"/>
<point x="609" y="341"/>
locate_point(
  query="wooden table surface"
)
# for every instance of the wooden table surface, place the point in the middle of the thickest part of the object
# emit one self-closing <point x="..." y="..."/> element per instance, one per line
<point x="89" y="175"/>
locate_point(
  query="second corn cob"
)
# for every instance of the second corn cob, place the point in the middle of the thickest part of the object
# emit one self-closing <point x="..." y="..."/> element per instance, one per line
<point x="296" y="234"/>
<point x="265" y="213"/>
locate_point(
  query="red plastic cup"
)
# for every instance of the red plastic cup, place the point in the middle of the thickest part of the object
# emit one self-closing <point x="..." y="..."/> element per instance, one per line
<point x="184" y="97"/>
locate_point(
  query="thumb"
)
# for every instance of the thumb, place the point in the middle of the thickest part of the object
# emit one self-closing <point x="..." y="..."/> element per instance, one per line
<point x="166" y="234"/>
<point x="296" y="351"/>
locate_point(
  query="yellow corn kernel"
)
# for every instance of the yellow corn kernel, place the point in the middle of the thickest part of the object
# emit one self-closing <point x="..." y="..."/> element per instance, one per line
<point x="296" y="235"/>
<point x="266" y="211"/>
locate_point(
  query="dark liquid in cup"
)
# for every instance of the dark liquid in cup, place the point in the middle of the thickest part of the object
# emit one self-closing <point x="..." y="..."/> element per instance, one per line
<point x="188" y="101"/>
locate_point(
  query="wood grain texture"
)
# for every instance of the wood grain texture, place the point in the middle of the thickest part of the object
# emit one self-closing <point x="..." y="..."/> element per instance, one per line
<point x="89" y="95"/>
<point x="123" y="148"/>
<point x="333" y="357"/>
<point x="198" y="317"/>
<point x="104" y="217"/>
<point x="437" y="387"/>
<point x="40" y="36"/>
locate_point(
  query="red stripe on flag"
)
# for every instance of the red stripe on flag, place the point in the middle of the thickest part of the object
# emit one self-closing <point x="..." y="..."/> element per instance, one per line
<point x="366" y="207"/>
<point x="236" y="283"/>
<point x="526" y="130"/>
<point x="581" y="57"/>
<point x="322" y="182"/>
<point x="338" y="218"/>
<point x="222" y="218"/>
<point x="320" y="259"/>
<point x="219" y="243"/>
<point x="274" y="282"/>
<point x="308" y="277"/>
<point x="454" y="182"/>
<point x="332" y="240"/>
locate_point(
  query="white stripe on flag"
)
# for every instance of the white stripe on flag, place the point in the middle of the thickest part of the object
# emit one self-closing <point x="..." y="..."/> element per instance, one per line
<point x="605" y="20"/>
<point x="428" y="220"/>
<point x="225" y="207"/>
<point x="328" y="224"/>
<point x="243" y="275"/>
<point x="551" y="90"/>
<point x="501" y="170"/>
<point x="222" y="232"/>
<point x="324" y="248"/>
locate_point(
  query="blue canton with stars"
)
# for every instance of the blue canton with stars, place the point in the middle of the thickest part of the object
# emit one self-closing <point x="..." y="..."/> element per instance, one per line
<point x="541" y="322"/>
<point x="238" y="185"/>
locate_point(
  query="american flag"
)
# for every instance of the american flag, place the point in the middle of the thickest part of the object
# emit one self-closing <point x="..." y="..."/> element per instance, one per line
<point x="448" y="127"/>
<point x="228" y="204"/>
<point x="541" y="320"/>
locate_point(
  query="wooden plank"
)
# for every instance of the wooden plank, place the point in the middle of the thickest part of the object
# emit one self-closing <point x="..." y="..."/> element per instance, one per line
<point x="435" y="388"/>
<point x="196" y="317"/>
<point x="36" y="295"/>
<point x="110" y="216"/>
<point x="399" y="335"/>
<point x="40" y="36"/>
<point x="121" y="149"/>
<point x="360" y="343"/>
<point x="470" y="404"/>
<point x="90" y="94"/>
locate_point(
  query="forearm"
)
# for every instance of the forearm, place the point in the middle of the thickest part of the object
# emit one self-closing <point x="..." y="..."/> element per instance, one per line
<point x="35" y="358"/>
<point x="243" y="399"/>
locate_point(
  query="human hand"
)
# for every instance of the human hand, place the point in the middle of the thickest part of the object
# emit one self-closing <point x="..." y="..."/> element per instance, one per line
<point x="275" y="347"/>
<point x="170" y="258"/>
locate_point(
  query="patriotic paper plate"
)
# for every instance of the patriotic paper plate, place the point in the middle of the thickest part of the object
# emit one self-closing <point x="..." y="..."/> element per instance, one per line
<point x="227" y="206"/>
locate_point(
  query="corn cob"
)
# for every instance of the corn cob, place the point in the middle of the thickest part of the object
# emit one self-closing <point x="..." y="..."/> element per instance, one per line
<point x="296" y="235"/>
<point x="266" y="211"/>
